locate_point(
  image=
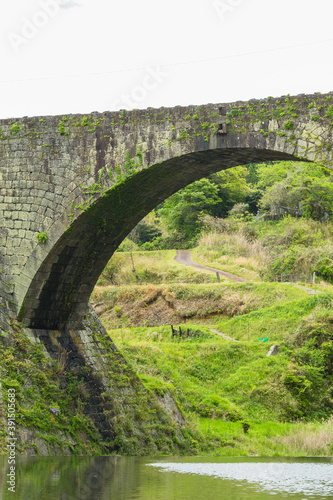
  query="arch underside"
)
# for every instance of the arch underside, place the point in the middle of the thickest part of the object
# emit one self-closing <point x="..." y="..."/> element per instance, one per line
<point x="58" y="296"/>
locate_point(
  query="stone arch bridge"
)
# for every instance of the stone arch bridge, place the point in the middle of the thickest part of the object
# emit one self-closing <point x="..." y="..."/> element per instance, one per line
<point x="72" y="187"/>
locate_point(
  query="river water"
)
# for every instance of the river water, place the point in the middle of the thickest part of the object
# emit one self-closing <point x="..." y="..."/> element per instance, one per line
<point x="168" y="478"/>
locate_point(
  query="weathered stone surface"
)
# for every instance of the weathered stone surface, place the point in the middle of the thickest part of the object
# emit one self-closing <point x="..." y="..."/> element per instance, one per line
<point x="171" y="407"/>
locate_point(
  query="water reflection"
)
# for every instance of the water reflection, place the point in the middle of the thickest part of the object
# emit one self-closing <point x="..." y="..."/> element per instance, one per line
<point x="69" y="478"/>
<point x="168" y="478"/>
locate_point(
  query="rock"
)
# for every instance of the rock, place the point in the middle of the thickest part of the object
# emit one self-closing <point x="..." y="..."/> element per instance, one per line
<point x="171" y="407"/>
<point x="273" y="350"/>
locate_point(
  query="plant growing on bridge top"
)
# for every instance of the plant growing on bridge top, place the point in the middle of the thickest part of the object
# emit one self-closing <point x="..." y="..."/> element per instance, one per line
<point x="61" y="128"/>
<point x="15" y="128"/>
<point x="235" y="112"/>
<point x="184" y="134"/>
<point x="288" y="125"/>
<point x="84" y="121"/>
<point x="41" y="237"/>
<point x="329" y="112"/>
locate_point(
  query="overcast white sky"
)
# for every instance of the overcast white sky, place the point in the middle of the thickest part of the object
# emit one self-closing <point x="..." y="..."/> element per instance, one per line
<point x="77" y="56"/>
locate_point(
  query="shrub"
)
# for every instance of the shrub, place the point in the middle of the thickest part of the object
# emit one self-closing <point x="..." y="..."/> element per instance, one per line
<point x="118" y="310"/>
<point x="329" y="112"/>
<point x="288" y="125"/>
<point x="41" y="237"/>
<point x="15" y="128"/>
<point x="215" y="406"/>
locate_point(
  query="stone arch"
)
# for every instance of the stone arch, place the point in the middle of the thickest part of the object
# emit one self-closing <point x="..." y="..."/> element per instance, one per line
<point x="58" y="295"/>
<point x="87" y="180"/>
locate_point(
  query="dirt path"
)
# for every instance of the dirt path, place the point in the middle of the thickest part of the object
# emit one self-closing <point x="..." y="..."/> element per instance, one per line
<point x="223" y="335"/>
<point x="184" y="257"/>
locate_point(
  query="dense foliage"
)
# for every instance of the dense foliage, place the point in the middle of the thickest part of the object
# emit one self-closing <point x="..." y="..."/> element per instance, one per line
<point x="272" y="191"/>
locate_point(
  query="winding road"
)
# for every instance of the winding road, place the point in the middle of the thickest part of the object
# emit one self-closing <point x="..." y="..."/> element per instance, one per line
<point x="184" y="257"/>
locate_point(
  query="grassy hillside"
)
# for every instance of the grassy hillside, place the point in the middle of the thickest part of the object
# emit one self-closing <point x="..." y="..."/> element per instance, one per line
<point x="258" y="249"/>
<point x="151" y="305"/>
<point x="220" y="384"/>
<point x="298" y="380"/>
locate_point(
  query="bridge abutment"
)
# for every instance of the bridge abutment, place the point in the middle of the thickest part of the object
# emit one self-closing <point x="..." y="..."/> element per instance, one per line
<point x="124" y="417"/>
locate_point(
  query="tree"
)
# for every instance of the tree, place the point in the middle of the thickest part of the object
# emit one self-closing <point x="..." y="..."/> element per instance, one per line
<point x="215" y="195"/>
<point x="271" y="173"/>
<point x="181" y="211"/>
<point x="306" y="191"/>
<point x="232" y="189"/>
<point x="144" y="232"/>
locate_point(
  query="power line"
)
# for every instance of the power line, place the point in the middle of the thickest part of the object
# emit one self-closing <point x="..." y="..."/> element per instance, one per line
<point x="161" y="66"/>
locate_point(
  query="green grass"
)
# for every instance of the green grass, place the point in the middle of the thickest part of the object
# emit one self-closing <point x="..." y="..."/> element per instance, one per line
<point x="275" y="322"/>
<point x="239" y="375"/>
<point x="224" y="259"/>
<point x="195" y="367"/>
<point x="267" y="438"/>
<point x="219" y="383"/>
